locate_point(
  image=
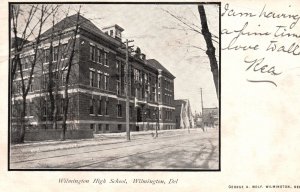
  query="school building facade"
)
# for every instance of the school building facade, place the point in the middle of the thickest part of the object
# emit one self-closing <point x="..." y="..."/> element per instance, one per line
<point x="97" y="82"/>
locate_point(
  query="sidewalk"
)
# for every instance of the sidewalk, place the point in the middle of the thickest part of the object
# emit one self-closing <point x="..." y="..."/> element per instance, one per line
<point x="99" y="139"/>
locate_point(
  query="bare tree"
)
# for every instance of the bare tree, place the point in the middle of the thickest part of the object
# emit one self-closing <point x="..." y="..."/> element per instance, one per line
<point x="210" y="47"/>
<point x="54" y="70"/>
<point x="42" y="13"/>
<point x="186" y="25"/>
<point x="69" y="65"/>
<point x="20" y="40"/>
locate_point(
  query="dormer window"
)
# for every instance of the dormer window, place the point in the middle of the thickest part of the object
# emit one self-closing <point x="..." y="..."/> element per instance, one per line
<point x="114" y="31"/>
<point x="118" y="34"/>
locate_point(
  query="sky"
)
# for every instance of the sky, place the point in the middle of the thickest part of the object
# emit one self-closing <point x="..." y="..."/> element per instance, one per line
<point x="160" y="36"/>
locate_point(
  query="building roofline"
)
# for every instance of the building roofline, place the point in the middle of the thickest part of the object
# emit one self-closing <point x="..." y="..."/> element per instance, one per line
<point x="115" y="25"/>
<point x="158" y="66"/>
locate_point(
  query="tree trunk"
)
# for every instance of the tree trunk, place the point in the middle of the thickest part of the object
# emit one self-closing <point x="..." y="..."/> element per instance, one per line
<point x="55" y="115"/>
<point x="50" y="84"/>
<point x="23" y="114"/>
<point x="66" y="100"/>
<point x="210" y="48"/>
<point x="51" y="78"/>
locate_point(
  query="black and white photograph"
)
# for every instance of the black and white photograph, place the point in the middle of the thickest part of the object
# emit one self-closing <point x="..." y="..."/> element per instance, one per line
<point x="114" y="86"/>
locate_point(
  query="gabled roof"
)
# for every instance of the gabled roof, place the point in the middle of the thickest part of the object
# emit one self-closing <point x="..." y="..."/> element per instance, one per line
<point x="69" y="22"/>
<point x="84" y="23"/>
<point x="154" y="63"/>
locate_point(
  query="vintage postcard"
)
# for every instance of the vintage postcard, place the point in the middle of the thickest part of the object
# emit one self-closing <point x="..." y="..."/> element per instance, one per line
<point x="172" y="96"/>
<point x="87" y="93"/>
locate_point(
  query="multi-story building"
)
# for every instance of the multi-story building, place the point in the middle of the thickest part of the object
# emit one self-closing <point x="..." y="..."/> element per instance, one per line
<point x="97" y="81"/>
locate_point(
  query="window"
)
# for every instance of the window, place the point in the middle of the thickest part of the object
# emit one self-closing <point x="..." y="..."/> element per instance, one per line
<point x="91" y="106"/>
<point x="64" y="51"/>
<point x="99" y="127"/>
<point x="166" y="115"/>
<point x="153" y="93"/>
<point x="146" y="92"/>
<point x="106" y="107"/>
<point x="63" y="78"/>
<point x="119" y="110"/>
<point x="45" y="81"/>
<point x="160" y="114"/>
<point x="99" y="79"/>
<point x="55" y="53"/>
<point x="146" y="78"/>
<point x="92" y="53"/>
<point x="159" y="80"/>
<point x="106" y="82"/>
<point x="149" y="113"/>
<point x="111" y="32"/>
<point x="122" y="78"/>
<point x="99" y="107"/>
<point x="138" y="92"/>
<point x="135" y="74"/>
<point x="92" y="126"/>
<point x="47" y="55"/>
<point x="25" y="63"/>
<point x="119" y="127"/>
<point x="118" y="87"/>
<point x="118" y="78"/>
<point x="92" y="73"/>
<point x="99" y="56"/>
<point x="118" y="34"/>
<point x="22" y="61"/>
<point x="105" y="59"/>
<point x="107" y="127"/>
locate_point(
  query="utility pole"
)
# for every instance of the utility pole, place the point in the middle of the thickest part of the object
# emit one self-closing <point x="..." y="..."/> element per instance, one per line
<point x="127" y="79"/>
<point x="201" y="102"/>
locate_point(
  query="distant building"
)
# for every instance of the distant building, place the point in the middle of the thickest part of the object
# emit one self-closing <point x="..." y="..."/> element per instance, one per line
<point x="210" y="116"/>
<point x="97" y="83"/>
<point x="198" y="119"/>
<point x="183" y="114"/>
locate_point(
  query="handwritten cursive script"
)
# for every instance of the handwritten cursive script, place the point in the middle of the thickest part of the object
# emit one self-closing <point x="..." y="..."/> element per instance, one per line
<point x="257" y="66"/>
<point x="262" y="32"/>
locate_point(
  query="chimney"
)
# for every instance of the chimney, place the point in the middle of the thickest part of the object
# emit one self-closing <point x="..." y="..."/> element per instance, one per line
<point x="139" y="54"/>
<point x="143" y="56"/>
